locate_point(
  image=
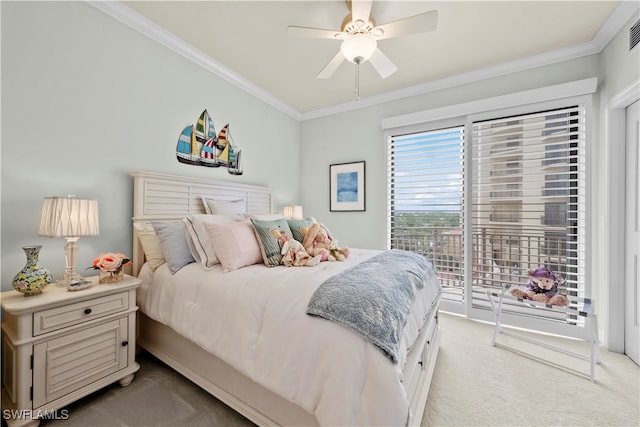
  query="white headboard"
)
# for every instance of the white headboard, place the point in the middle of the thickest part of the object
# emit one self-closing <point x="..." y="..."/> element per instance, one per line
<point x="161" y="197"/>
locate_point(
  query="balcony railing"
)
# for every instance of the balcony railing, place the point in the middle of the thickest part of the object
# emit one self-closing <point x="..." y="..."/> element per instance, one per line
<point x="498" y="257"/>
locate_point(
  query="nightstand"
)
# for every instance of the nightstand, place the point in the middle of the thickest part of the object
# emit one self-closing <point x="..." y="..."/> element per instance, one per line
<point x="60" y="346"/>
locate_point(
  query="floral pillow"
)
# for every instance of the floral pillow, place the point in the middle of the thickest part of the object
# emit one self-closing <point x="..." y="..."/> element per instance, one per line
<point x="266" y="232"/>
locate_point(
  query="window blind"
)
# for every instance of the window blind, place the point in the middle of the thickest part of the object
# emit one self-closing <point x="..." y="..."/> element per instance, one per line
<point x="528" y="198"/>
<point x="425" y="200"/>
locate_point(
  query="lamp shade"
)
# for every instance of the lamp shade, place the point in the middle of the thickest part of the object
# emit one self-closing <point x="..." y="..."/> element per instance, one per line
<point x="358" y="48"/>
<point x="294" y="212"/>
<point x="69" y="217"/>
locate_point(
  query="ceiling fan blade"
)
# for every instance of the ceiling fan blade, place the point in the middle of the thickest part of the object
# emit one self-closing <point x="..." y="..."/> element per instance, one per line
<point x="294" y="31"/>
<point x="382" y="64"/>
<point x="422" y="23"/>
<point x="331" y="67"/>
<point x="360" y="10"/>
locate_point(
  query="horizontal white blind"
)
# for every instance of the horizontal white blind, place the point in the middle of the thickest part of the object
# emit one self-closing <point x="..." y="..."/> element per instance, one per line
<point x="425" y="199"/>
<point x="528" y="198"/>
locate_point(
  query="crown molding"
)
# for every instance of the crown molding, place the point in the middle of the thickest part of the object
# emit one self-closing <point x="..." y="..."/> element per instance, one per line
<point x="129" y="17"/>
<point x="562" y="90"/>
<point x="618" y="18"/>
<point x="480" y="74"/>
<point x="609" y="29"/>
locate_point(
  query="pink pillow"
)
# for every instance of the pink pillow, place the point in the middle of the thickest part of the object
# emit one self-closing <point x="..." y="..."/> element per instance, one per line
<point x="198" y="238"/>
<point x="235" y="244"/>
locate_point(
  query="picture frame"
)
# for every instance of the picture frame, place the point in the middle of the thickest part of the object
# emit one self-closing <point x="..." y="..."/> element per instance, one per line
<point x="347" y="187"/>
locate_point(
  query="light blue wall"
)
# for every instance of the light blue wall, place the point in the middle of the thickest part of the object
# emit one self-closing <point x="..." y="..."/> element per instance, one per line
<point x="358" y="135"/>
<point x="86" y="100"/>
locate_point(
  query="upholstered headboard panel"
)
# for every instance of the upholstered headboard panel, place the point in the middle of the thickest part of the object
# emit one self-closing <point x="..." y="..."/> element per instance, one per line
<point x="161" y="197"/>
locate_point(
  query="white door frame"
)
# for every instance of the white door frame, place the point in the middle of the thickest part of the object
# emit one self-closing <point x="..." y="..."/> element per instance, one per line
<point x="613" y="253"/>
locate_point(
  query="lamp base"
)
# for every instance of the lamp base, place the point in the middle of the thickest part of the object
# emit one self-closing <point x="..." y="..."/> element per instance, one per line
<point x="70" y="272"/>
<point x="67" y="278"/>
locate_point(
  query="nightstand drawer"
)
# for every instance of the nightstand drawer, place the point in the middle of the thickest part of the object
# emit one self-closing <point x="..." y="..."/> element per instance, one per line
<point x="72" y="314"/>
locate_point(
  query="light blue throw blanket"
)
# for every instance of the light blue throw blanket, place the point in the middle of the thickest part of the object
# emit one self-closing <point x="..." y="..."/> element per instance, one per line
<point x="374" y="297"/>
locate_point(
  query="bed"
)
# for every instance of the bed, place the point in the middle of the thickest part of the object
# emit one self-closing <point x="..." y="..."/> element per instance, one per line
<point x="248" y="339"/>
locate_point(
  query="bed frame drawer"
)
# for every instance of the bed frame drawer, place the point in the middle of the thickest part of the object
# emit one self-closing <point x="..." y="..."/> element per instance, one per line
<point x="61" y="317"/>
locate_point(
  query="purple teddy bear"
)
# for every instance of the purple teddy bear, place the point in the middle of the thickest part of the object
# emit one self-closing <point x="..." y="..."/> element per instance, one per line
<point x="542" y="287"/>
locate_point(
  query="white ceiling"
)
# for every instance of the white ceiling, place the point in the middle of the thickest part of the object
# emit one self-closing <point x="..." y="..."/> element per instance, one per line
<point x="248" y="40"/>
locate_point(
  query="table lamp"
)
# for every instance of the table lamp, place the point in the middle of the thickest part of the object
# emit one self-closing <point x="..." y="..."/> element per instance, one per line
<point x="294" y="212"/>
<point x="71" y="218"/>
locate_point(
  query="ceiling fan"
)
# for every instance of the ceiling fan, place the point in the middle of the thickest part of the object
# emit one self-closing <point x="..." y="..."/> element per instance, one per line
<point x="360" y="35"/>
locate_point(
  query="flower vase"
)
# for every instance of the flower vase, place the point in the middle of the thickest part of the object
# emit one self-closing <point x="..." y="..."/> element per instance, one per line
<point x="33" y="278"/>
<point x="111" y="276"/>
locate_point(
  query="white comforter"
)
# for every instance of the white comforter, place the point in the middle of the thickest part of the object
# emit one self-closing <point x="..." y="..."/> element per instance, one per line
<point x="254" y="319"/>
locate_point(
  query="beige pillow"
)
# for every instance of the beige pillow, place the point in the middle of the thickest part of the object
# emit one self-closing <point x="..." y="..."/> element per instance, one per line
<point x="235" y="244"/>
<point x="150" y="244"/>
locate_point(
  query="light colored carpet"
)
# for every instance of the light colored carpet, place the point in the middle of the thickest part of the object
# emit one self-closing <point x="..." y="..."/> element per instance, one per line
<point x="474" y="384"/>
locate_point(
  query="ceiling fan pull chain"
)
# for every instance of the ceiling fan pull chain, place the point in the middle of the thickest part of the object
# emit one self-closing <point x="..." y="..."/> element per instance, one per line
<point x="357" y="81"/>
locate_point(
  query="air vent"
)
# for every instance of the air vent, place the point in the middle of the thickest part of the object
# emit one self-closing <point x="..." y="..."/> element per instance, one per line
<point x="634" y="35"/>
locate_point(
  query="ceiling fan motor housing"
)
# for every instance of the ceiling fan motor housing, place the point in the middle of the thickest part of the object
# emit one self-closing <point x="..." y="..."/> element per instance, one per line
<point x="350" y="27"/>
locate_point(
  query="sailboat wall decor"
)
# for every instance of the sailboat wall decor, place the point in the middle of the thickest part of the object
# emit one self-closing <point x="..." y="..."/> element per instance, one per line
<point x="200" y="146"/>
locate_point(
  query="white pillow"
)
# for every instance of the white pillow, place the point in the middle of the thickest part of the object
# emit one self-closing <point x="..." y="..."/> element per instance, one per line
<point x="205" y="204"/>
<point x="234" y="209"/>
<point x="266" y="216"/>
<point x="198" y="238"/>
<point x="235" y="244"/>
<point x="150" y="244"/>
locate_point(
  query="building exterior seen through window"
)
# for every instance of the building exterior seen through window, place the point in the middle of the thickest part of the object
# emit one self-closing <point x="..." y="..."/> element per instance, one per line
<point x="526" y="194"/>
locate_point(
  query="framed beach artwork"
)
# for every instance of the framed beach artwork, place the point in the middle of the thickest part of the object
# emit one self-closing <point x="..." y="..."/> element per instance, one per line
<point x="347" y="187"/>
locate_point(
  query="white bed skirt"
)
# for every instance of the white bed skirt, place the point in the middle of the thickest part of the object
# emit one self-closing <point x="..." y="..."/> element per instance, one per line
<point x="255" y="402"/>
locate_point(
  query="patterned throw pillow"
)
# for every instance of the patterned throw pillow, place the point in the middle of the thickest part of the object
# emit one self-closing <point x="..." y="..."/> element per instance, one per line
<point x="269" y="244"/>
<point x="296" y="226"/>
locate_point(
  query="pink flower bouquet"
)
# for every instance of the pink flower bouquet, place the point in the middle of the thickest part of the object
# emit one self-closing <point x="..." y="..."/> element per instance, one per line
<point x="110" y="266"/>
<point x="111" y="261"/>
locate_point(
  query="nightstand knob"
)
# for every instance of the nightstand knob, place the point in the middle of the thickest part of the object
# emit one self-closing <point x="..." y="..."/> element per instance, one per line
<point x="125" y="343"/>
<point x="87" y="311"/>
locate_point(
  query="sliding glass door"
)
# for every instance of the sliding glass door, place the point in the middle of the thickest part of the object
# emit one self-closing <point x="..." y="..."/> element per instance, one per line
<point x="491" y="198"/>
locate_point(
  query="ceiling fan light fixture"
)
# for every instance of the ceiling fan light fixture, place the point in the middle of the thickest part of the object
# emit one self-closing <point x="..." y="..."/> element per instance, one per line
<point x="358" y="48"/>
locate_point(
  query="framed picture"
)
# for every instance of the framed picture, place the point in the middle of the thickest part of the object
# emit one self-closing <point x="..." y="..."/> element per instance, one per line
<point x="347" y="187"/>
